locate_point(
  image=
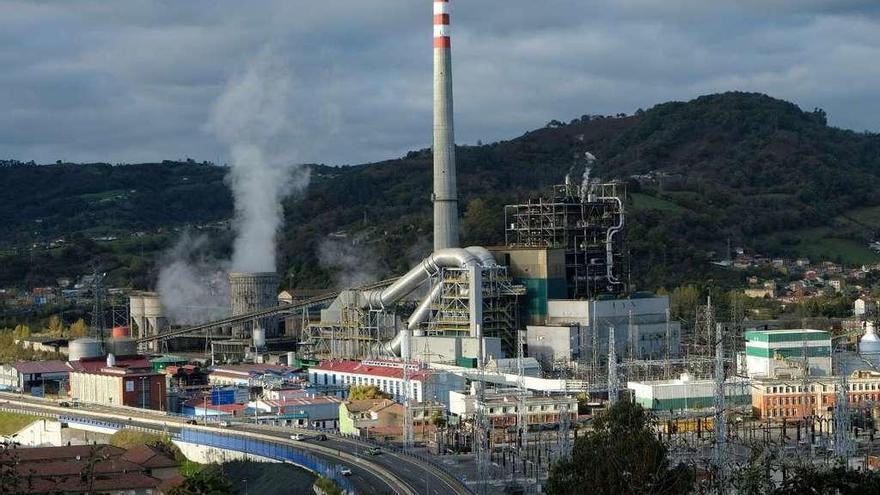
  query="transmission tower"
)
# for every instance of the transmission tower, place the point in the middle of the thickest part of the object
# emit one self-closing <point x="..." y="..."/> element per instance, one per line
<point x="98" y="322"/>
<point x="481" y="431"/>
<point x="613" y="385"/>
<point x="842" y="446"/>
<point x="720" y="452"/>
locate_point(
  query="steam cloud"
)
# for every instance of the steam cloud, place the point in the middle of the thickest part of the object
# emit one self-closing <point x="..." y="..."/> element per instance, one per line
<point x="193" y="287"/>
<point x="352" y="261"/>
<point x="248" y="117"/>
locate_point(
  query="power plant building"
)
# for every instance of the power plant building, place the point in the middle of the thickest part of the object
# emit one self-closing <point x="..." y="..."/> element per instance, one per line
<point x="772" y="353"/>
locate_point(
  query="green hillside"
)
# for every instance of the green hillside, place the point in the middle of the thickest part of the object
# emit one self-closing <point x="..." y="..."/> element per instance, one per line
<point x="742" y="167"/>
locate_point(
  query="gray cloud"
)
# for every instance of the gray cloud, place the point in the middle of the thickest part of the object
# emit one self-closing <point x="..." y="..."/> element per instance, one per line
<point x="85" y="80"/>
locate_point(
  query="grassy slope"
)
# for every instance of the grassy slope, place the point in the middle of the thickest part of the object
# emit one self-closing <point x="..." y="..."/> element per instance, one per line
<point x="13" y="422"/>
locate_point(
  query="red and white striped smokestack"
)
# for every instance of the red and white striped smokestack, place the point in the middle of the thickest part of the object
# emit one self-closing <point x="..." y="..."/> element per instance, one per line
<point x="445" y="197"/>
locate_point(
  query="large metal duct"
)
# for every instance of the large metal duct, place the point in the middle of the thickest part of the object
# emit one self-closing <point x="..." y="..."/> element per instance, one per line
<point x="445" y="196"/>
<point x="443" y="258"/>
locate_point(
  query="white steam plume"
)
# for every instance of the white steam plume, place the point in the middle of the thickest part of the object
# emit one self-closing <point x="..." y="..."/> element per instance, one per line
<point x="249" y="117"/>
<point x="352" y="261"/>
<point x="192" y="287"/>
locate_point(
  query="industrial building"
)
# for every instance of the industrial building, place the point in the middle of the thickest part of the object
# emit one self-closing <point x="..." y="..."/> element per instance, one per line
<point x="35" y="377"/>
<point x="501" y="407"/>
<point x="815" y="396"/>
<point x="687" y="394"/>
<point x="577" y="331"/>
<point x="114" y="385"/>
<point x="389" y="377"/>
<point x="772" y="353"/>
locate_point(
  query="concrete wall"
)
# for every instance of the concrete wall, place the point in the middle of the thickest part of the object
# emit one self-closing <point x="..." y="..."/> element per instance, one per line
<point x="208" y="455"/>
<point x="549" y="343"/>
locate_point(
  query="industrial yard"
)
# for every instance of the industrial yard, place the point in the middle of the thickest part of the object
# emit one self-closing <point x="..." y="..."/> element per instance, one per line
<point x="620" y="327"/>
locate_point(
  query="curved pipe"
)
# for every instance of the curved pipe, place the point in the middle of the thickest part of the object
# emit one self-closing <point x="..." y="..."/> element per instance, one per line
<point x="609" y="252"/>
<point x="442" y="258"/>
<point x="485" y="256"/>
<point x="424" y="308"/>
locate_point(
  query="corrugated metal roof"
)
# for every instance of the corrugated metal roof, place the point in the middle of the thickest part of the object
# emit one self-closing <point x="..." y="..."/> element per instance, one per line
<point x="33" y="367"/>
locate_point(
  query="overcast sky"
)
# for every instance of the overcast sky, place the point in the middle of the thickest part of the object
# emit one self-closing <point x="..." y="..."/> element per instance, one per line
<point x="131" y="81"/>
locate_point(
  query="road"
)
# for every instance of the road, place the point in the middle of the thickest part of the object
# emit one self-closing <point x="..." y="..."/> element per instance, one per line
<point x="412" y="475"/>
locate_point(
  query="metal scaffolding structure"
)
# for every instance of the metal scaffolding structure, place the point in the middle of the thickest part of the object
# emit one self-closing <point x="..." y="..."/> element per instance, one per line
<point x="586" y="221"/>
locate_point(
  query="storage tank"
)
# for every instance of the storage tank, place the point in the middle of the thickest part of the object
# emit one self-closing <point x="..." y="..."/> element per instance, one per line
<point x="291" y="359"/>
<point x="870" y="342"/>
<point x="122" y="346"/>
<point x="84" y="348"/>
<point x="120" y="332"/>
<point x="259" y="338"/>
<point x="111" y="360"/>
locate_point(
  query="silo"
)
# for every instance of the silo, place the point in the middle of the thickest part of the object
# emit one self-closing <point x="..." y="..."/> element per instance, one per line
<point x="153" y="314"/>
<point x="85" y="348"/>
<point x="136" y="311"/>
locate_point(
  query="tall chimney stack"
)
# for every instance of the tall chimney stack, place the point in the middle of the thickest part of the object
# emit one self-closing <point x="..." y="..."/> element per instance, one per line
<point x="445" y="197"/>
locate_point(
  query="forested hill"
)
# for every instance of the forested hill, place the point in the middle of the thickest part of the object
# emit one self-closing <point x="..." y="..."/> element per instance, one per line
<point x="736" y="166"/>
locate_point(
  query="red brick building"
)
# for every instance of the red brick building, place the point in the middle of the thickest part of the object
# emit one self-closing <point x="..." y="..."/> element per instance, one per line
<point x="790" y="399"/>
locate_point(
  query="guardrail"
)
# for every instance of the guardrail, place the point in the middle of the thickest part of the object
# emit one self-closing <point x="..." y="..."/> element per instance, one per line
<point x="270" y="450"/>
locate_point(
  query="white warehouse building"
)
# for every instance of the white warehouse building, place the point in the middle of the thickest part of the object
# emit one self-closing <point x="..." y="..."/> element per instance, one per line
<point x="388" y="376"/>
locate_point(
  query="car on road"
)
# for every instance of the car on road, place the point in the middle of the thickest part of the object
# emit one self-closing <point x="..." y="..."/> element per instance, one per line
<point x="321" y="437"/>
<point x="372" y="451"/>
<point x="223" y="424"/>
<point x="297" y="436"/>
<point x="192" y="422"/>
<point x="345" y="471"/>
<point x="64" y="404"/>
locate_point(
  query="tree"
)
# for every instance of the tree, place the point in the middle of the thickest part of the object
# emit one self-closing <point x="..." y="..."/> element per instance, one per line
<point x="360" y="392"/>
<point x="683" y="302"/>
<point x="437" y="419"/>
<point x="55" y="327"/>
<point x="78" y="329"/>
<point x="208" y="481"/>
<point x="620" y="456"/>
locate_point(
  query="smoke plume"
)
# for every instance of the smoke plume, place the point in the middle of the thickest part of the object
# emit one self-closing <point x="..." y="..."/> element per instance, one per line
<point x="249" y="117"/>
<point x="192" y="287"/>
<point x="353" y="262"/>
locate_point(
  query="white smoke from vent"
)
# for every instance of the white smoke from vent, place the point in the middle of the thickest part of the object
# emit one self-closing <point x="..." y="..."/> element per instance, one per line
<point x="193" y="286"/>
<point x="250" y="117"/>
<point x="352" y="261"/>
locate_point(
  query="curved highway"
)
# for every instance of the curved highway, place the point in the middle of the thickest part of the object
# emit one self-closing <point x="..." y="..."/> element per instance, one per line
<point x="381" y="474"/>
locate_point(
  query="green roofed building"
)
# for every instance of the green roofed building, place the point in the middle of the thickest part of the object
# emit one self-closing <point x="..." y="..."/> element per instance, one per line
<point x="777" y="353"/>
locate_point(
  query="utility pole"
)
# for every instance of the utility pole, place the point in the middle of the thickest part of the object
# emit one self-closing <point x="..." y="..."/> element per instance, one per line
<point x="667" y="366"/>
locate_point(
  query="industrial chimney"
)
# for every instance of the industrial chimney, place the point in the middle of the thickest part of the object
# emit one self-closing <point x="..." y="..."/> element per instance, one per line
<point x="445" y="197"/>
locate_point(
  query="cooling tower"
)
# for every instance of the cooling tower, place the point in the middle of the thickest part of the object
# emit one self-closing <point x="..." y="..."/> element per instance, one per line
<point x="250" y="292"/>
